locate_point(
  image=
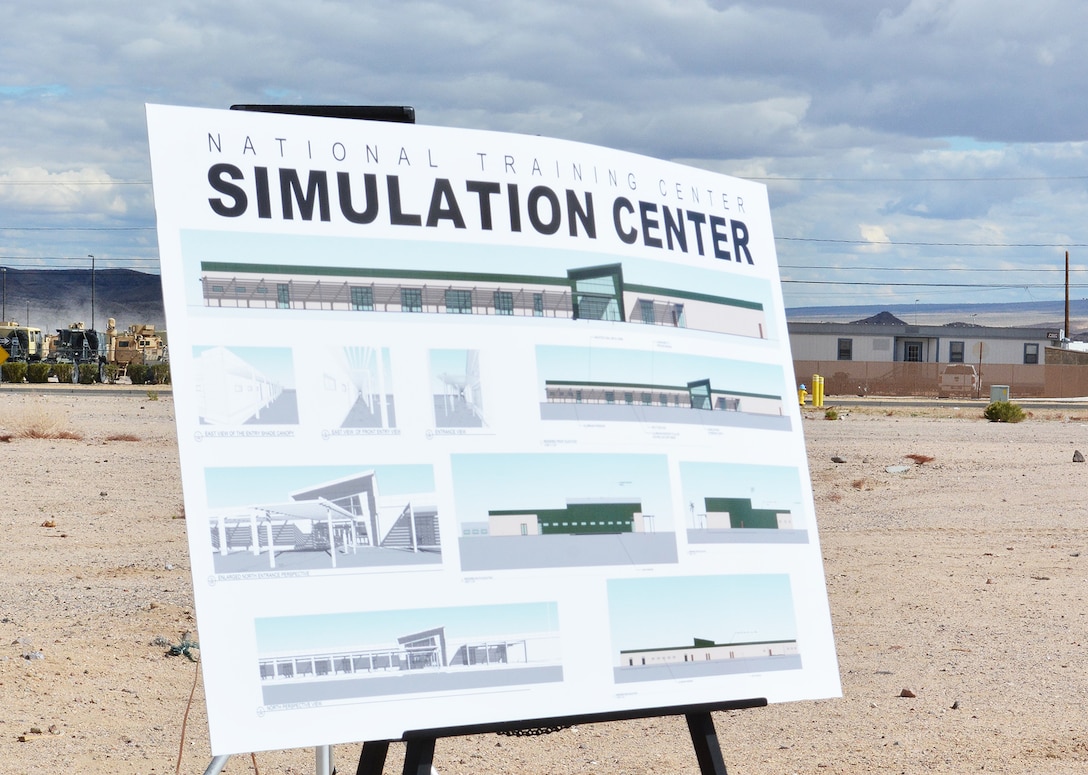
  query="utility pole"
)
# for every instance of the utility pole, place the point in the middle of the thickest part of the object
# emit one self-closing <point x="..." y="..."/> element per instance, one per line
<point x="1066" y="333"/>
<point x="91" y="256"/>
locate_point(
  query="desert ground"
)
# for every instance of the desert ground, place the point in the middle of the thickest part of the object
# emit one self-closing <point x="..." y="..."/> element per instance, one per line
<point x="957" y="590"/>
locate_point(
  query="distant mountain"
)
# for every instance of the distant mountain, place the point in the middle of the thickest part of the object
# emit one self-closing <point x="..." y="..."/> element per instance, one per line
<point x="55" y="298"/>
<point x="1038" y="314"/>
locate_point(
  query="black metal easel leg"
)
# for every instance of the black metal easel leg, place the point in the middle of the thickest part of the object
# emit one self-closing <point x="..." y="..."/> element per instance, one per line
<point x="707" y="749"/>
<point x="418" y="756"/>
<point x="372" y="758"/>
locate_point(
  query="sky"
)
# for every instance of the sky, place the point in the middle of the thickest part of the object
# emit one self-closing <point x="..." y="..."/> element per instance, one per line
<point x="915" y="151"/>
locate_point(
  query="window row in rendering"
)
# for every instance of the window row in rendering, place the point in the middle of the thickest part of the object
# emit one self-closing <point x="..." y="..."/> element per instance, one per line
<point x="590" y="293"/>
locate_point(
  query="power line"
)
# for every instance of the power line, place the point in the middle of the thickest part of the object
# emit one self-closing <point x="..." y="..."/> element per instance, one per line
<point x="1003" y="286"/>
<point x="77" y="228"/>
<point x="987" y="270"/>
<point x="889" y="243"/>
<point x="75" y="182"/>
<point x="1013" y="178"/>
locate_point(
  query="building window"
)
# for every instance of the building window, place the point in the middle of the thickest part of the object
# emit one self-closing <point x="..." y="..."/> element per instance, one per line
<point x="283" y="295"/>
<point x="1031" y="352"/>
<point x="646" y="311"/>
<point x="411" y="300"/>
<point x="362" y="299"/>
<point x="458" y="302"/>
<point x="538" y="305"/>
<point x="218" y="289"/>
<point x="597" y="293"/>
<point x="504" y="303"/>
<point x="846" y="349"/>
<point x="262" y="289"/>
<point x="955" y="352"/>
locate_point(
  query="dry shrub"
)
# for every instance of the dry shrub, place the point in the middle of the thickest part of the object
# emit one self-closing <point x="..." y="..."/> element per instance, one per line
<point x="858" y="484"/>
<point x="834" y="497"/>
<point x="122" y="437"/>
<point x="39" y="423"/>
<point x="920" y="459"/>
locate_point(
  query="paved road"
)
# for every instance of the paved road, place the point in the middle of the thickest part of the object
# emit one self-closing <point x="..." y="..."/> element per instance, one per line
<point x="52" y="388"/>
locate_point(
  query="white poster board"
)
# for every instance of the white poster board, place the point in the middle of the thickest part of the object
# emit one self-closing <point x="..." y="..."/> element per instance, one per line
<point x="478" y="427"/>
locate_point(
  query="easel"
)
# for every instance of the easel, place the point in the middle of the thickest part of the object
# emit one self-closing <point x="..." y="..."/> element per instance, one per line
<point x="420" y="744"/>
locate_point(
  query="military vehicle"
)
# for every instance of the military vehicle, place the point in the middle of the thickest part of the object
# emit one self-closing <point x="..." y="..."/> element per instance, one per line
<point x="22" y="343"/>
<point x="139" y="344"/>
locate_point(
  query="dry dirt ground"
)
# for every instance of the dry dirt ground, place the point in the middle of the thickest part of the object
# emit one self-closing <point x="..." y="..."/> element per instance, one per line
<point x="960" y="579"/>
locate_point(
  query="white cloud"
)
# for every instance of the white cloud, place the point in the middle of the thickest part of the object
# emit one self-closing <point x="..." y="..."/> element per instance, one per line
<point x="951" y="122"/>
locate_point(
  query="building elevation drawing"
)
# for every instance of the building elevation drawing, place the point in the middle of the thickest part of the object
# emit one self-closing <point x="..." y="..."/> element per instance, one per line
<point x="342" y="523"/>
<point x="357" y="389"/>
<point x="721" y="509"/>
<point x="611" y="385"/>
<point x="747" y="624"/>
<point x="240" y="386"/>
<point x="584" y="293"/>
<point x="701" y="651"/>
<point x="467" y="648"/>
<point x="562" y="510"/>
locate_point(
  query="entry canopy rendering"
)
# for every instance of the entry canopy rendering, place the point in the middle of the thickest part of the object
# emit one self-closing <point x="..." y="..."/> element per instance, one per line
<point x="478" y="432"/>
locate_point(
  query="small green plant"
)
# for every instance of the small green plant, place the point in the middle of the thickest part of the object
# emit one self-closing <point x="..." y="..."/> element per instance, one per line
<point x="1003" y="411"/>
<point x="152" y="395"/>
<point x="184" y="648"/>
<point x="63" y="372"/>
<point x="37" y="373"/>
<point x="14" y="371"/>
<point x="138" y="373"/>
<point x="831" y="414"/>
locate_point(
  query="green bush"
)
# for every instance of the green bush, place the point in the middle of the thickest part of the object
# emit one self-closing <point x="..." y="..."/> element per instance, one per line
<point x="88" y="373"/>
<point x="37" y="372"/>
<point x="831" y="414"/>
<point x="138" y="373"/>
<point x="14" y="371"/>
<point x="1003" y="411"/>
<point x="63" y="372"/>
<point x="111" y="372"/>
<point x="161" y="373"/>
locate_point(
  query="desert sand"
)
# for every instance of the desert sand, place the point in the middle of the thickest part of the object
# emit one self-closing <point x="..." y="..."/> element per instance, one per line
<point x="960" y="580"/>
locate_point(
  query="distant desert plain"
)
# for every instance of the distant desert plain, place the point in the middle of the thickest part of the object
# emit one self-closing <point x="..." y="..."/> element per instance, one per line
<point x="957" y="584"/>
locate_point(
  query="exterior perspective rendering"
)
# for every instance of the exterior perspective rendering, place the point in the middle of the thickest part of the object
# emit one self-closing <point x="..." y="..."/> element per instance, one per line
<point x="611" y="385"/>
<point x="245" y="386"/>
<point x="722" y="508"/>
<point x="342" y="523"/>
<point x="640" y="402"/>
<point x="364" y="655"/>
<point x="556" y="511"/>
<point x="585" y="293"/>
<point x="748" y="618"/>
<point x="357" y="389"/>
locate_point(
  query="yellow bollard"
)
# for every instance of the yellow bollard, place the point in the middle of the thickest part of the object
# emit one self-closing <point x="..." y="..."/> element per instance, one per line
<point x="817" y="390"/>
